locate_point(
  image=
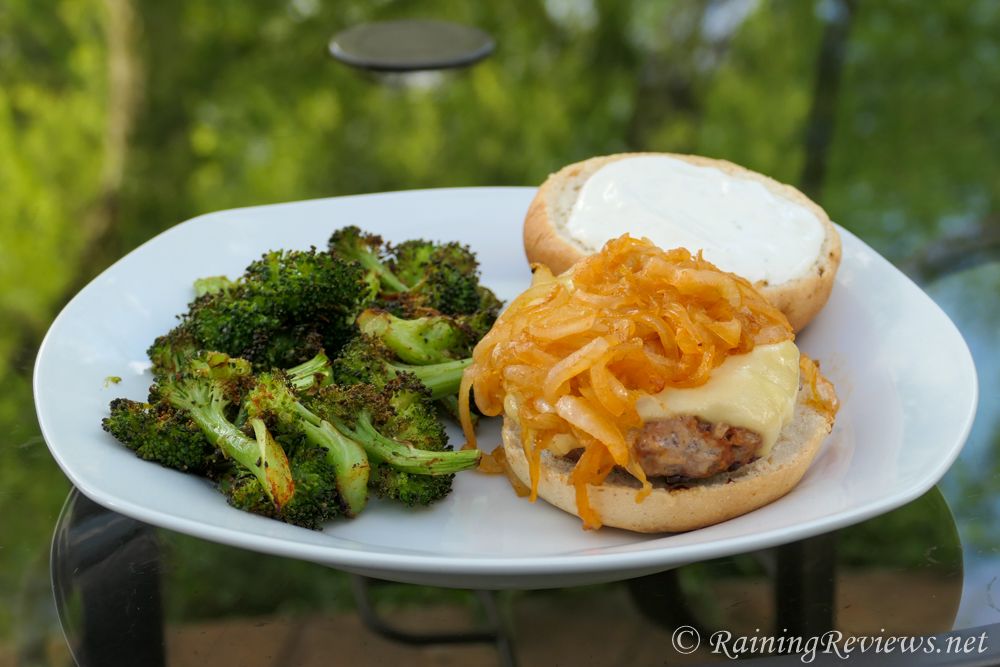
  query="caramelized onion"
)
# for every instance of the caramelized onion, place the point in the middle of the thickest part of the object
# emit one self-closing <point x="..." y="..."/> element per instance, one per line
<point x="822" y="398"/>
<point x="576" y="351"/>
<point x="500" y="457"/>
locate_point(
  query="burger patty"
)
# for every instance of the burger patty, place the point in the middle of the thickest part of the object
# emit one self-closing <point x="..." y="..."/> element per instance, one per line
<point x="682" y="448"/>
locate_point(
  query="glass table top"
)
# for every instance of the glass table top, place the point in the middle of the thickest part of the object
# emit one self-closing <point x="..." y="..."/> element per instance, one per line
<point x="121" y="119"/>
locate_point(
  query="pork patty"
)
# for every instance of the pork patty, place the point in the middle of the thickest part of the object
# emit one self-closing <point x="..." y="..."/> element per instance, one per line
<point x="686" y="447"/>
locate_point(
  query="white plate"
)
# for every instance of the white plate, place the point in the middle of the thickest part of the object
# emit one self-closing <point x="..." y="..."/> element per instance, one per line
<point x="903" y="372"/>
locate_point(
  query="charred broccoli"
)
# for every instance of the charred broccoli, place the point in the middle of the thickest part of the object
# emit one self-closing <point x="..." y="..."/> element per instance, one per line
<point x="367" y="416"/>
<point x="416" y="278"/>
<point x="316" y="495"/>
<point x="210" y="391"/>
<point x="352" y="244"/>
<point x="246" y="395"/>
<point x="170" y="353"/>
<point x="411" y="419"/>
<point x="397" y="425"/>
<point x="162" y="434"/>
<point x="287" y="307"/>
<point x="409" y="489"/>
<point x="312" y="373"/>
<point x="421" y="341"/>
<point x="426" y="340"/>
<point x="442" y="278"/>
<point x="344" y="461"/>
<point x="367" y="359"/>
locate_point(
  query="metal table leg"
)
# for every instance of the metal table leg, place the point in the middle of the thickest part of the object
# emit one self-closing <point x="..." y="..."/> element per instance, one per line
<point x="497" y="633"/>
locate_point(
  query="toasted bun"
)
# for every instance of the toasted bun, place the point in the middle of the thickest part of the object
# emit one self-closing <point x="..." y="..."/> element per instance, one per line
<point x="697" y="503"/>
<point x="545" y="241"/>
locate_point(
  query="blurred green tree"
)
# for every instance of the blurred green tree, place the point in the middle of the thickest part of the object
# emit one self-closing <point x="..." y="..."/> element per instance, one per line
<point x="121" y="118"/>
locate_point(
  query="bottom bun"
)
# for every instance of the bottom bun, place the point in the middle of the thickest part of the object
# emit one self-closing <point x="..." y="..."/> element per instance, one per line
<point x="695" y="503"/>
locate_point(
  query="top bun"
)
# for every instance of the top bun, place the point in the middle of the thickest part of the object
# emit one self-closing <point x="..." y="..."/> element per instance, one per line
<point x="546" y="241"/>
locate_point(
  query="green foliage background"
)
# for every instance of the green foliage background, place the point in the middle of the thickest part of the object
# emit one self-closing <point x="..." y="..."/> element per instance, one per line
<point x="121" y="118"/>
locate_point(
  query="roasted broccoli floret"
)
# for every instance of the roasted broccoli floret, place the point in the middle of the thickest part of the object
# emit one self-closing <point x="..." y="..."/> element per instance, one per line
<point x="275" y="487"/>
<point x="351" y="244"/>
<point x="312" y="373"/>
<point x="339" y="469"/>
<point x="287" y="307"/>
<point x="418" y="277"/>
<point x="414" y="416"/>
<point x="187" y="425"/>
<point x="367" y="416"/>
<point x="414" y="421"/>
<point x="479" y="323"/>
<point x="318" y="487"/>
<point x="367" y="359"/>
<point x="288" y="345"/>
<point x="316" y="498"/>
<point x="404" y="465"/>
<point x="299" y="285"/>
<point x="295" y="482"/>
<point x="170" y="353"/>
<point x="424" y="341"/>
<point x="164" y="435"/>
<point x="243" y="491"/>
<point x="443" y="278"/>
<point x="421" y="341"/>
<point x="417" y="470"/>
<point x="307" y="438"/>
<point x="209" y="392"/>
<point x="411" y="418"/>
<point x="409" y="489"/>
<point x="410" y="259"/>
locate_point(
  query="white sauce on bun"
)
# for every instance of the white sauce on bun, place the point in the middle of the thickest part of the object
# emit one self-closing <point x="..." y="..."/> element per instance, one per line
<point x="741" y="226"/>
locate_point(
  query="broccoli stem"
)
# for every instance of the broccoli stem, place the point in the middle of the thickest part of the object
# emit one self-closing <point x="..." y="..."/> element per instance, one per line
<point x="351" y="243"/>
<point x="263" y="457"/>
<point x="450" y="405"/>
<point x="421" y="341"/>
<point x="304" y="375"/>
<point x="372" y="263"/>
<point x="271" y="467"/>
<point x="442" y="379"/>
<point x="348" y="458"/>
<point x="404" y="456"/>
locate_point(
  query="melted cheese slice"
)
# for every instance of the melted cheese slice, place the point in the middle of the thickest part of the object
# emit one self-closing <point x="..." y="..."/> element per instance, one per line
<point x="755" y="391"/>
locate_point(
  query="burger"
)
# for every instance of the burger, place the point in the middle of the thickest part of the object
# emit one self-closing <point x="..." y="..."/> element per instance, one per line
<point x="649" y="390"/>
